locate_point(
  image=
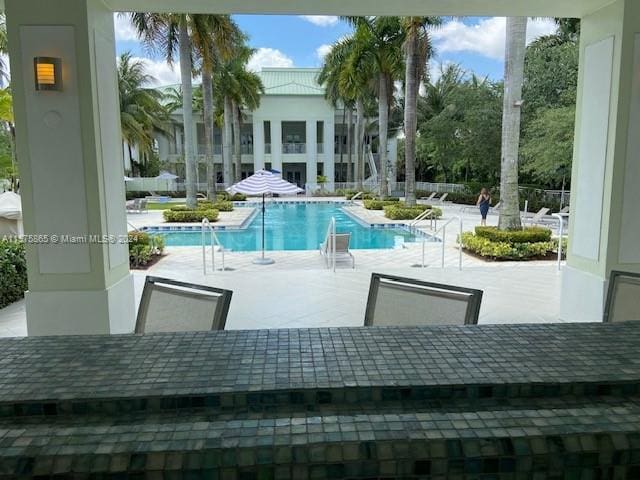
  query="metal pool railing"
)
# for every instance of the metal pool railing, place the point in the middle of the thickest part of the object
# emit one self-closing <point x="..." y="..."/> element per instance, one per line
<point x="214" y="243"/>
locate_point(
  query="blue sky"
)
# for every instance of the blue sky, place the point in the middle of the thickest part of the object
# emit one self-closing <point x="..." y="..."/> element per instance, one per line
<point x="282" y="41"/>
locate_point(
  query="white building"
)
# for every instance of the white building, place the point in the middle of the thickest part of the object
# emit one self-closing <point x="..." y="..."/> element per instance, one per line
<point x="295" y="130"/>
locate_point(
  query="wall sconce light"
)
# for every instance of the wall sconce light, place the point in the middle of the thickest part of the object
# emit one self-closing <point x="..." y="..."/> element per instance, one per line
<point x="48" y="73"/>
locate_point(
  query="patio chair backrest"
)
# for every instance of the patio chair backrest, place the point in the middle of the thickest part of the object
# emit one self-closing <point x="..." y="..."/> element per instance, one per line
<point x="136" y="204"/>
<point x="172" y="306"/>
<point x="398" y="301"/>
<point x="441" y="199"/>
<point x="342" y="242"/>
<point x="541" y="213"/>
<point x="565" y="209"/>
<point x="623" y="297"/>
<point x="143" y="204"/>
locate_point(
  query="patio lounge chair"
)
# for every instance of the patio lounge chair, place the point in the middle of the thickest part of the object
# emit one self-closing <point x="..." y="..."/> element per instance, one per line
<point x="342" y="249"/>
<point x="429" y="198"/>
<point x="539" y="216"/>
<point x="623" y="297"/>
<point x="138" y="205"/>
<point x="398" y="301"/>
<point x="172" y="306"/>
<point x="154" y="197"/>
<point x="441" y="199"/>
<point x="565" y="209"/>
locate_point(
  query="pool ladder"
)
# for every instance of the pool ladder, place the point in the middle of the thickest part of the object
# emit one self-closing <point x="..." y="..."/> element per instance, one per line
<point x="214" y="243"/>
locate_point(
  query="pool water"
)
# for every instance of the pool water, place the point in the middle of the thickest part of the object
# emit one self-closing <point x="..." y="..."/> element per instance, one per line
<point x="295" y="226"/>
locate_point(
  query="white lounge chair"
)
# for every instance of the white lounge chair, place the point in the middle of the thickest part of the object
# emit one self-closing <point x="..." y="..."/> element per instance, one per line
<point x="565" y="209"/>
<point x="539" y="216"/>
<point x="342" y="248"/>
<point x="441" y="199"/>
<point x="623" y="297"/>
<point x="398" y="301"/>
<point x="138" y="205"/>
<point x="429" y="198"/>
<point x="171" y="306"/>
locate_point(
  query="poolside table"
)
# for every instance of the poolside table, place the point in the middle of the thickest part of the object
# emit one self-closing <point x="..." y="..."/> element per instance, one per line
<point x="560" y="400"/>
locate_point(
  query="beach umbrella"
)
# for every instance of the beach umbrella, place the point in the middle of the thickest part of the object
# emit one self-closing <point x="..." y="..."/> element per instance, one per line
<point x="168" y="177"/>
<point x="264" y="182"/>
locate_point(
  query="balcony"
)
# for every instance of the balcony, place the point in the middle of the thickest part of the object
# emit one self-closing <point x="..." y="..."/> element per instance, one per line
<point x="320" y="148"/>
<point x="294" y="148"/>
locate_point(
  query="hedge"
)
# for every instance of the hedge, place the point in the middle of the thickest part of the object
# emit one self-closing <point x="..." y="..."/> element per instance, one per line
<point x="504" y="250"/>
<point x="399" y="211"/>
<point x="184" y="215"/>
<point x="349" y="194"/>
<point x="143" y="248"/>
<point x="528" y="235"/>
<point x="13" y="272"/>
<point x="379" y="204"/>
<point x="236" y="197"/>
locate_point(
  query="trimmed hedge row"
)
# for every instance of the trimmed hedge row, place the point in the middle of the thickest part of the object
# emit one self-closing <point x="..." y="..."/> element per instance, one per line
<point x="506" y="251"/>
<point x="13" y="272"/>
<point x="528" y="235"/>
<point x="191" y="215"/>
<point x="143" y="248"/>
<point x="379" y="204"/>
<point x="399" y="211"/>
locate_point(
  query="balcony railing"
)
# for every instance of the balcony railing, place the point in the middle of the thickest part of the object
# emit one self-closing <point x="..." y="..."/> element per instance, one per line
<point x="294" y="148"/>
<point x="320" y="148"/>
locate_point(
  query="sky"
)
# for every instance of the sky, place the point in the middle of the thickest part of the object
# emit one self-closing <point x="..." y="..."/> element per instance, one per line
<point x="477" y="44"/>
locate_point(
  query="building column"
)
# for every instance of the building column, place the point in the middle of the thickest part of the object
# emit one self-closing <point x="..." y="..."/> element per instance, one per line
<point x="604" y="223"/>
<point x="258" y="144"/>
<point x="276" y="145"/>
<point x="312" y="156"/>
<point x="329" y="154"/>
<point x="71" y="168"/>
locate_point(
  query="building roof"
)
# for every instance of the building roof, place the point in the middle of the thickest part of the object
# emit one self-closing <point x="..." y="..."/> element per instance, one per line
<point x="291" y="81"/>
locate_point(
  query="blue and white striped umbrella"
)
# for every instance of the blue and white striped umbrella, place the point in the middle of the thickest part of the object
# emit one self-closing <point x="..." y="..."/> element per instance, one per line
<point x="264" y="182"/>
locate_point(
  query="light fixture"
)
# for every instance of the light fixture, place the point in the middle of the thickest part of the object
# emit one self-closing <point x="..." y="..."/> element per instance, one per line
<point x="48" y="73"/>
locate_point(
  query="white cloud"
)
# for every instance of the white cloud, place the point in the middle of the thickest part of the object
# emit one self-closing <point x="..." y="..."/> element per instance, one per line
<point x="268" y="57"/>
<point x="322" y="51"/>
<point x="321" y="20"/>
<point x="161" y="71"/>
<point x="123" y="28"/>
<point x="486" y="38"/>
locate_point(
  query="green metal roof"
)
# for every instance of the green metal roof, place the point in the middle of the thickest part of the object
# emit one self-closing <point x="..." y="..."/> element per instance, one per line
<point x="291" y="81"/>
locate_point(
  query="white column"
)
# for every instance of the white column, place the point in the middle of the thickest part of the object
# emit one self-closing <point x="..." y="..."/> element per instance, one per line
<point x="71" y="169"/>
<point x="329" y="155"/>
<point x="258" y="144"/>
<point x="312" y="155"/>
<point x="604" y="224"/>
<point x="276" y="145"/>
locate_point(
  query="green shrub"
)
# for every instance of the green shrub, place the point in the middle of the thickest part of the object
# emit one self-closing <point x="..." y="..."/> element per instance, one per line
<point x="223" y="206"/>
<point x="502" y="250"/>
<point x="186" y="215"/>
<point x="399" y="211"/>
<point x="528" y="235"/>
<point x="13" y="272"/>
<point x="143" y="248"/>
<point x="139" y="238"/>
<point x="238" y="197"/>
<point x="349" y="194"/>
<point x="378" y="204"/>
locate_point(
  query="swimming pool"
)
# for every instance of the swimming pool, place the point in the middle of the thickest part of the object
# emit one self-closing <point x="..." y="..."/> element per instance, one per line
<point x="295" y="226"/>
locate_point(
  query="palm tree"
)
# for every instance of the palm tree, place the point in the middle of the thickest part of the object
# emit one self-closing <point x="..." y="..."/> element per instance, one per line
<point x="379" y="44"/>
<point x="513" y="80"/>
<point x="237" y="88"/>
<point x="417" y="48"/>
<point x="4" y="47"/>
<point x="218" y="44"/>
<point x="171" y="34"/>
<point x="141" y="110"/>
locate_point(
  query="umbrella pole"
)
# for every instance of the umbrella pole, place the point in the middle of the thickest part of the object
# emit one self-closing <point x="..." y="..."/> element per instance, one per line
<point x="263" y="226"/>
<point x="261" y="260"/>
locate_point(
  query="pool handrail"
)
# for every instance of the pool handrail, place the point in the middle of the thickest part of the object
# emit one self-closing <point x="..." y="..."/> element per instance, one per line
<point x="214" y="241"/>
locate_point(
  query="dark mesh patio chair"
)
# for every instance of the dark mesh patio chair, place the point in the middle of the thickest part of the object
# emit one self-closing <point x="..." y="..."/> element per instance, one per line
<point x="398" y="301"/>
<point x="623" y="297"/>
<point x="172" y="306"/>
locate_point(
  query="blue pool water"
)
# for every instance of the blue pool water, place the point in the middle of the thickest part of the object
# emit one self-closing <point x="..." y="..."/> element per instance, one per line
<point x="296" y="226"/>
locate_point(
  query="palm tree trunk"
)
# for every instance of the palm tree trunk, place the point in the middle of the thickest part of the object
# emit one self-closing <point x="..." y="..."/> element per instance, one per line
<point x="207" y="107"/>
<point x="187" y="112"/>
<point x="513" y="79"/>
<point x="344" y="116"/>
<point x="359" y="163"/>
<point x="237" y="154"/>
<point x="226" y="142"/>
<point x="383" y="122"/>
<point x="349" y="145"/>
<point x="410" y="118"/>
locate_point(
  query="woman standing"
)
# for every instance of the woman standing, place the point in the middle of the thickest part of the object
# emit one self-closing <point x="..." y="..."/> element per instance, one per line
<point x="484" y="202"/>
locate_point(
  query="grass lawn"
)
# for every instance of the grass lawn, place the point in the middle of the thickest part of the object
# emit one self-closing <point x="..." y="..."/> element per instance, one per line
<point x="162" y="206"/>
